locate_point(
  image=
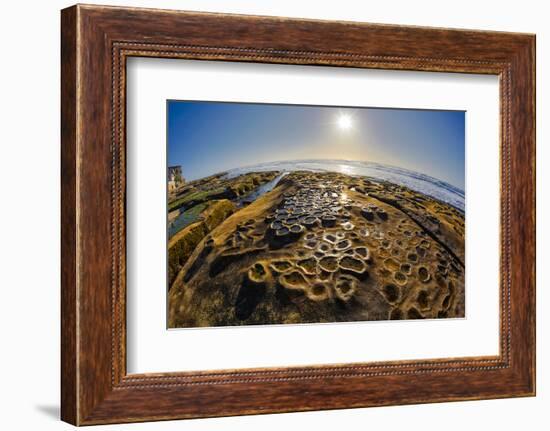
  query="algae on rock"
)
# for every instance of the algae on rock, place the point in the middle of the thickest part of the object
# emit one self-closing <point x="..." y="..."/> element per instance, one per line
<point x="182" y="244"/>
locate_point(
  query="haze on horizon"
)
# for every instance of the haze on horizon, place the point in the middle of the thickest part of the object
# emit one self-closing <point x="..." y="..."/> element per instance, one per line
<point x="211" y="137"/>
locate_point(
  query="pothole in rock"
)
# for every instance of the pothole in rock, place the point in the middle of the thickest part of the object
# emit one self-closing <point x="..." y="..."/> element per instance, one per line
<point x="406" y="268"/>
<point x="329" y="263"/>
<point x="400" y="278"/>
<point x="330" y="237"/>
<point x="364" y="232"/>
<point x="368" y="213"/>
<point x="282" y="232"/>
<point x="257" y="273"/>
<point x="309" y="266"/>
<point x="348" y="226"/>
<point x="328" y="220"/>
<point x="318" y="292"/>
<point x="276" y="225"/>
<point x="413" y="257"/>
<point x="353" y="265"/>
<point x="343" y="244"/>
<point x="291" y="220"/>
<point x="296" y="229"/>
<point x="392" y="292"/>
<point x="310" y="236"/>
<point x="362" y="252"/>
<point x="324" y="275"/>
<point x="294" y="280"/>
<point x="309" y="221"/>
<point x="423" y="274"/>
<point x="280" y="265"/>
<point x="382" y="214"/>
<point x="345" y="288"/>
<point x="311" y="244"/>
<point x="324" y="248"/>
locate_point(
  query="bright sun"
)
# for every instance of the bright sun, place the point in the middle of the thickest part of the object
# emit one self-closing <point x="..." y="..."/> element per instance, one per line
<point x="344" y="122"/>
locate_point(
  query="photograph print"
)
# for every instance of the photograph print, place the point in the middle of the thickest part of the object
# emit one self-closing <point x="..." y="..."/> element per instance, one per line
<point x="293" y="214"/>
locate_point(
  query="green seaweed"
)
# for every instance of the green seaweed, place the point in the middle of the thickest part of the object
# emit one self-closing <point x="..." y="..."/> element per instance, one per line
<point x="194" y="196"/>
<point x="187" y="217"/>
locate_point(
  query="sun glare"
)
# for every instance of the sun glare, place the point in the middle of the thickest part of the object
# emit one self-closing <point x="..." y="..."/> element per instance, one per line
<point x="344" y="122"/>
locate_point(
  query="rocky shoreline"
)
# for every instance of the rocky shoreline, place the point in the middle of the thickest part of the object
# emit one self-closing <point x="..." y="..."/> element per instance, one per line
<point x="319" y="247"/>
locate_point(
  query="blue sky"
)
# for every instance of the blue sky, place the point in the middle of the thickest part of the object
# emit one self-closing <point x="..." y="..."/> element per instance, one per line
<point x="210" y="137"/>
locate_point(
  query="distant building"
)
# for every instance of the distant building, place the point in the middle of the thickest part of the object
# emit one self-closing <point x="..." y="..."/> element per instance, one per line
<point x="175" y="177"/>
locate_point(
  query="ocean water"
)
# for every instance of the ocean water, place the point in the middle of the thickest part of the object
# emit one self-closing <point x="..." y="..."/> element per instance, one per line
<point x="425" y="184"/>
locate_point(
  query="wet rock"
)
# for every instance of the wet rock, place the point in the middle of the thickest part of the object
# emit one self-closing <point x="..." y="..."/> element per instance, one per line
<point x="328" y="220"/>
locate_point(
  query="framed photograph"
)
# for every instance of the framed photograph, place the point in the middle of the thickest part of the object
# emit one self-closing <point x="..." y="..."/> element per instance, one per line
<point x="265" y="215"/>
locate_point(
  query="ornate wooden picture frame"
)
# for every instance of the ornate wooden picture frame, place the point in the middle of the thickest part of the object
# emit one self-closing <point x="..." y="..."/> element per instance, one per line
<point x="96" y="41"/>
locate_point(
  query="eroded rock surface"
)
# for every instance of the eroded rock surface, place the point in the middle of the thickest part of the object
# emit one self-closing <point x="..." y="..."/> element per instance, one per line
<point x="325" y="247"/>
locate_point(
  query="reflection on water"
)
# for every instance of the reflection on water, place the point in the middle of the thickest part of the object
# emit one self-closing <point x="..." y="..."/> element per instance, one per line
<point x="185" y="219"/>
<point x="414" y="180"/>
<point x="345" y="169"/>
<point x="191" y="215"/>
<point x="261" y="190"/>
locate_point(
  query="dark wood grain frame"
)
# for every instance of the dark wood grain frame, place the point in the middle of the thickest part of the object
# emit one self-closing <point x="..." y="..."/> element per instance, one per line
<point x="96" y="42"/>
